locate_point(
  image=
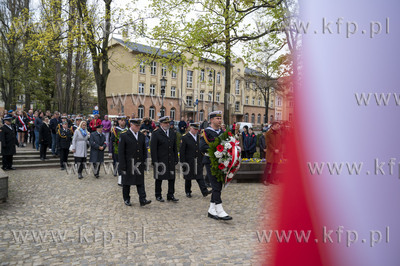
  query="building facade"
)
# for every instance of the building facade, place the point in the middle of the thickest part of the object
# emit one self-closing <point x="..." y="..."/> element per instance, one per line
<point x="134" y="87"/>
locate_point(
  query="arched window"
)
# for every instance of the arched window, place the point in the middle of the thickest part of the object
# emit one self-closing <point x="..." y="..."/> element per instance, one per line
<point x="259" y="119"/>
<point x="201" y="115"/>
<point x="152" y="112"/>
<point x="140" y="111"/>
<point x="253" y="118"/>
<point x="172" y="113"/>
<point x="246" y="117"/>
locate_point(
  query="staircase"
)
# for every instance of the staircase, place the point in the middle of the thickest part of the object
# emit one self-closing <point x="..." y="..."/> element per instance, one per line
<point x="29" y="158"/>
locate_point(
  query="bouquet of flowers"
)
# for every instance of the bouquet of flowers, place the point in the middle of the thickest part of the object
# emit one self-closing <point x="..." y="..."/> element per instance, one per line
<point x="225" y="158"/>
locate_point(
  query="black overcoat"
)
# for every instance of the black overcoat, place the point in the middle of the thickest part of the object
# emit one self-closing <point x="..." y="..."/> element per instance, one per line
<point x="163" y="152"/>
<point x="131" y="152"/>
<point x="8" y="140"/>
<point x="190" y="154"/>
<point x="96" y="141"/>
<point x="45" y="135"/>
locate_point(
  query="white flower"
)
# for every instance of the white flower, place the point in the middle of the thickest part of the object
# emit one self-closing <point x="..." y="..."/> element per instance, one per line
<point x="220" y="160"/>
<point x="228" y="146"/>
<point x="218" y="154"/>
<point x="230" y="175"/>
<point x="226" y="163"/>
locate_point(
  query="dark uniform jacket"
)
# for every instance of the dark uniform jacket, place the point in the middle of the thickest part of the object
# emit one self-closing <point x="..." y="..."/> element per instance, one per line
<point x="64" y="138"/>
<point x="211" y="135"/>
<point x="96" y="141"/>
<point x="131" y="152"/>
<point x="45" y="135"/>
<point x="8" y="140"/>
<point x="164" y="151"/>
<point x="190" y="154"/>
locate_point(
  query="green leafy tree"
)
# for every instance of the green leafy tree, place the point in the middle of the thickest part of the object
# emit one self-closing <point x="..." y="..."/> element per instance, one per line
<point x="209" y="28"/>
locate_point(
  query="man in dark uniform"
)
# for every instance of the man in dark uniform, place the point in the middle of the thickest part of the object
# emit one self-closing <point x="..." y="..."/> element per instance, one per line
<point x="164" y="156"/>
<point x="8" y="141"/>
<point x="98" y="144"/>
<point x="132" y="152"/>
<point x="115" y="135"/>
<point x="64" y="137"/>
<point x="191" y="157"/>
<point x="209" y="135"/>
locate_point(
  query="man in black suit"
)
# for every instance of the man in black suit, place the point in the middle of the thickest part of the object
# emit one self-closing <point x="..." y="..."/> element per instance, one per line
<point x="64" y="137"/>
<point x="191" y="159"/>
<point x="45" y="138"/>
<point x="164" y="156"/>
<point x="132" y="155"/>
<point x="8" y="141"/>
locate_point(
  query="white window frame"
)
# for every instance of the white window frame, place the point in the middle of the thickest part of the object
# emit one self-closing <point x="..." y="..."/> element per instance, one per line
<point x="201" y="96"/>
<point x="141" y="111"/>
<point x="218" y="78"/>
<point x="164" y="71"/>
<point x="142" y="67"/>
<point x="153" y="68"/>
<point x="174" y="72"/>
<point x="189" y="101"/>
<point x="237" y="86"/>
<point x="152" y="89"/>
<point x="202" y="73"/>
<point x="237" y="106"/>
<point x="173" y="91"/>
<point x="189" y="79"/>
<point x="172" y="113"/>
<point x="152" y="112"/>
<point x="217" y="97"/>
<point x="209" y="96"/>
<point x="247" y="100"/>
<point x="141" y="88"/>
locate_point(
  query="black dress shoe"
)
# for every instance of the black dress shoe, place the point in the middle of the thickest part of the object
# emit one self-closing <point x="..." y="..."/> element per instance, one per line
<point x="62" y="168"/>
<point x="80" y="176"/>
<point x="207" y="193"/>
<point x="160" y="199"/>
<point x="5" y="169"/>
<point x="173" y="199"/>
<point x="97" y="176"/>
<point x="127" y="203"/>
<point x="188" y="195"/>
<point x="213" y="216"/>
<point x="145" y="202"/>
<point x="12" y="168"/>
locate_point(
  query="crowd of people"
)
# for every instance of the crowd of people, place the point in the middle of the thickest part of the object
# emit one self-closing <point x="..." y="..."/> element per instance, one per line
<point x="128" y="138"/>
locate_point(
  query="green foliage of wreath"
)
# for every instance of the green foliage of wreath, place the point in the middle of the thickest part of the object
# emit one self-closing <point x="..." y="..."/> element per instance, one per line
<point x="219" y="174"/>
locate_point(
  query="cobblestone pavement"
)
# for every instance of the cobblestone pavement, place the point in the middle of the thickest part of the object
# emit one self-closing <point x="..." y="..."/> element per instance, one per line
<point x="86" y="222"/>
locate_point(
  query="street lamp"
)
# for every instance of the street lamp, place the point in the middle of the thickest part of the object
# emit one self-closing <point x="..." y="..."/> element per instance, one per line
<point x="163" y="84"/>
<point x="211" y="75"/>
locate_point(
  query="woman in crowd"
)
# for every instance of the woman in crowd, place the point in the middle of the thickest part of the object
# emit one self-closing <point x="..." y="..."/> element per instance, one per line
<point x="44" y="138"/>
<point x="79" y="146"/>
<point x="22" y="127"/>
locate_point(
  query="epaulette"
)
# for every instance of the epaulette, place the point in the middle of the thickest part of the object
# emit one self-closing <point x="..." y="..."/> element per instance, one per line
<point x="184" y="134"/>
<point x="124" y="131"/>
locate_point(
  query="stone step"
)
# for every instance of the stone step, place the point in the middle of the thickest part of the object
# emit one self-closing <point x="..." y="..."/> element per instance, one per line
<point x="48" y="161"/>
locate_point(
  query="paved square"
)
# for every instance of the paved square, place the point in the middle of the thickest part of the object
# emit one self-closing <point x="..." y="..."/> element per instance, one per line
<point x="86" y="222"/>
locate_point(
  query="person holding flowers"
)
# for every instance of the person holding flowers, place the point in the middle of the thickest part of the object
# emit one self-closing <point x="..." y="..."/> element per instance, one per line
<point x="210" y="134"/>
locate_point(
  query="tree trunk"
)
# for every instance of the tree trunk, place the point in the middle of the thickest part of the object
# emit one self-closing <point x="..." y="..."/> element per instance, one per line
<point x="227" y="65"/>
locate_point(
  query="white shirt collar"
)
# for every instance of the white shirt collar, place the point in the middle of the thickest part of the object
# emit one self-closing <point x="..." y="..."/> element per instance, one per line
<point x="194" y="136"/>
<point x="135" y="134"/>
